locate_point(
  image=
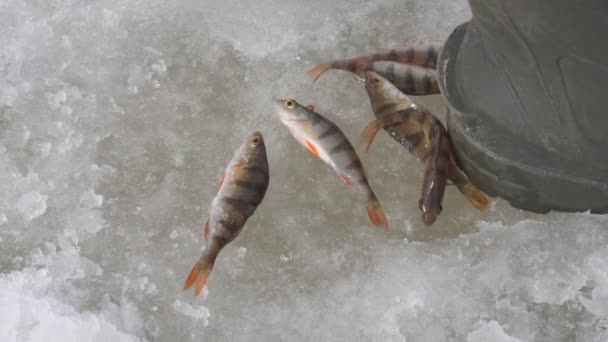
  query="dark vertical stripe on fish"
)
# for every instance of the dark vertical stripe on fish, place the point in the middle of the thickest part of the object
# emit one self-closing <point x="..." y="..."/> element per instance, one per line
<point x="410" y="82"/>
<point x="220" y="240"/>
<point x="231" y="225"/>
<point x="389" y="74"/>
<point x="258" y="188"/>
<point x="258" y="170"/>
<point x="342" y="146"/>
<point x="410" y="53"/>
<point x="244" y="207"/>
<point x="432" y="58"/>
<point x="331" y="130"/>
<point x="352" y="65"/>
<point x="428" y="84"/>
<point x="355" y="164"/>
<point x="414" y="139"/>
<point x="392" y="55"/>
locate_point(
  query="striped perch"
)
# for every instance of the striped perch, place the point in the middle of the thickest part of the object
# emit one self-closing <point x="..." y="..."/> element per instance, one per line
<point x="327" y="142"/>
<point x="242" y="189"/>
<point x="412" y="126"/>
<point x="423" y="55"/>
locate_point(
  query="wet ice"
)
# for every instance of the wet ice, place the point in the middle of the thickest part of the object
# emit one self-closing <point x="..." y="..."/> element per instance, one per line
<point x="117" y="119"/>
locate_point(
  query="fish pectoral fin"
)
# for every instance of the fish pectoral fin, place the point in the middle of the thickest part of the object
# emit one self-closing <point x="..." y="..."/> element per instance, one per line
<point x="206" y="232"/>
<point x="221" y="181"/>
<point x="369" y="133"/>
<point x="311" y="147"/>
<point x="345" y="179"/>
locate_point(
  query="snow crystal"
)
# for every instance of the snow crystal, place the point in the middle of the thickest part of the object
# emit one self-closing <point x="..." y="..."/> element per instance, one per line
<point x="200" y="313"/>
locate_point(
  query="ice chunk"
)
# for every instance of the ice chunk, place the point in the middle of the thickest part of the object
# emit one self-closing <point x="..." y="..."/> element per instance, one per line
<point x="597" y="269"/>
<point x="56" y="100"/>
<point x="90" y="199"/>
<point x="31" y="317"/>
<point x="200" y="313"/>
<point x="491" y="331"/>
<point x="31" y="205"/>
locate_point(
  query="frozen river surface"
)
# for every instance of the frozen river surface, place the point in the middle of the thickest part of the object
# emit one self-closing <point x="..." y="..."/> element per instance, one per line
<point x="117" y="119"/>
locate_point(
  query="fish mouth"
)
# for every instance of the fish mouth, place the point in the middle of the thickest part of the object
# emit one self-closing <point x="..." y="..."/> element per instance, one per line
<point x="372" y="78"/>
<point x="258" y="135"/>
<point x="429" y="218"/>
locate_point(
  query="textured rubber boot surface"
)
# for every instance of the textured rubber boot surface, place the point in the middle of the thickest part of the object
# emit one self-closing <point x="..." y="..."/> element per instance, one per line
<point x="526" y="84"/>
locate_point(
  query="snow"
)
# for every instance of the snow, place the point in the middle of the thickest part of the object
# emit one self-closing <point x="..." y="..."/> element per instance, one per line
<point x="491" y="331"/>
<point x="117" y="119"/>
<point x="31" y="205"/>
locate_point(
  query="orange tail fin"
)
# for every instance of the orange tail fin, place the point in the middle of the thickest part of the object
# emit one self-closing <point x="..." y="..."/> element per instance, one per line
<point x="477" y="198"/>
<point x="376" y="214"/>
<point x="318" y="70"/>
<point x="198" y="276"/>
<point x="369" y="133"/>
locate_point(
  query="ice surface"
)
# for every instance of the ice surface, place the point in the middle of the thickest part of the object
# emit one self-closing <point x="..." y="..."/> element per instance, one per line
<point x="491" y="331"/>
<point x="117" y="119"/>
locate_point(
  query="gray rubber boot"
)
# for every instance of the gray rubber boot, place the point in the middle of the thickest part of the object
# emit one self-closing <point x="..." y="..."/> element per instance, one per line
<point x="526" y="83"/>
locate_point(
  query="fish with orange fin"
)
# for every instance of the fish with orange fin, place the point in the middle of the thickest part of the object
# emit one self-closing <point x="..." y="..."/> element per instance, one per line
<point x="423" y="55"/>
<point x="412" y="126"/>
<point x="326" y="141"/>
<point x="241" y="191"/>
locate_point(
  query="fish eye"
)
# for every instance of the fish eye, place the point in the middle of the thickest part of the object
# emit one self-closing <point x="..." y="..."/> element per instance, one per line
<point x="290" y="103"/>
<point x="255" y="141"/>
<point x="376" y="80"/>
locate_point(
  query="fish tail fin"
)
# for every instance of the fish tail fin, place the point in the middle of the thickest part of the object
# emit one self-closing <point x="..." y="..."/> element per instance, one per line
<point x="351" y="65"/>
<point x="475" y="196"/>
<point x="376" y="214"/>
<point x="199" y="275"/>
<point x="369" y="133"/>
<point x="317" y="71"/>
